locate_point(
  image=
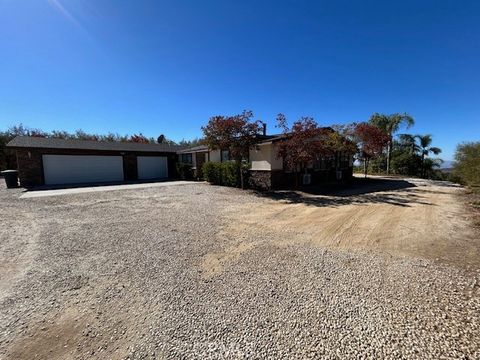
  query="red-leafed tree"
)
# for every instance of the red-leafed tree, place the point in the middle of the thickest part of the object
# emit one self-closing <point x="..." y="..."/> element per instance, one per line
<point x="140" y="138"/>
<point x="237" y="134"/>
<point x="304" y="142"/>
<point x="370" y="140"/>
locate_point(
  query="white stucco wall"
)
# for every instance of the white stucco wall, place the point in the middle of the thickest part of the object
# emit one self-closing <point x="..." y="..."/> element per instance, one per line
<point x="215" y="156"/>
<point x="264" y="157"/>
<point x="277" y="163"/>
<point x="260" y="157"/>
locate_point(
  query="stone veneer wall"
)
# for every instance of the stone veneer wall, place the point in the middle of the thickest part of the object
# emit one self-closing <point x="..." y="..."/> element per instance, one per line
<point x="278" y="179"/>
<point x="270" y="180"/>
<point x="260" y="179"/>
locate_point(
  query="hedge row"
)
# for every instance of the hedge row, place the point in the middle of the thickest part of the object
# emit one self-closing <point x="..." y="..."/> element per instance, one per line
<point x="224" y="173"/>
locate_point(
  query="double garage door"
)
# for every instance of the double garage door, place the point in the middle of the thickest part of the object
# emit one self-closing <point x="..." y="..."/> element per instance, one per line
<point x="78" y="169"/>
<point x="152" y="167"/>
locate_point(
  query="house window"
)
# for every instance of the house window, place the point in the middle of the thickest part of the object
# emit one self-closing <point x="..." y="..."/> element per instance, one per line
<point x="225" y="155"/>
<point x="319" y="163"/>
<point x="187" y="159"/>
<point x="345" y="159"/>
<point x="323" y="162"/>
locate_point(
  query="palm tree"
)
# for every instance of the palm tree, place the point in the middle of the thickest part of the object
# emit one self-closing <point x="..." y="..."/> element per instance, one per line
<point x="425" y="149"/>
<point x="409" y="141"/>
<point x="391" y="124"/>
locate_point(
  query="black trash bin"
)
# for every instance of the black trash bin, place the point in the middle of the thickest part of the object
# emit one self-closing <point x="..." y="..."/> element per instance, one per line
<point x="11" y="178"/>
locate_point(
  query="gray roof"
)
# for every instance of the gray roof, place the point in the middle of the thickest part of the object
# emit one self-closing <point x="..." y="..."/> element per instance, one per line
<point x="260" y="138"/>
<point x="271" y="138"/>
<point x="193" y="149"/>
<point x="54" y="143"/>
<point x="277" y="137"/>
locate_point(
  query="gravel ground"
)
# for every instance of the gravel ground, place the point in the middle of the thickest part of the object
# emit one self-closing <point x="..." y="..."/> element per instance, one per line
<point x="128" y="274"/>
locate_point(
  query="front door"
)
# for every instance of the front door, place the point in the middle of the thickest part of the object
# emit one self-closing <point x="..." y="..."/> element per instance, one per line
<point x="200" y="159"/>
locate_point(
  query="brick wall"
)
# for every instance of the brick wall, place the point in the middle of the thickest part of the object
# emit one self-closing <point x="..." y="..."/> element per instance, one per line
<point x="30" y="163"/>
<point x="130" y="167"/>
<point x="30" y="167"/>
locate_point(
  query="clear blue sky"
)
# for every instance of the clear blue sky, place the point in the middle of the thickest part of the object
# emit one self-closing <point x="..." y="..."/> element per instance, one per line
<point x="167" y="66"/>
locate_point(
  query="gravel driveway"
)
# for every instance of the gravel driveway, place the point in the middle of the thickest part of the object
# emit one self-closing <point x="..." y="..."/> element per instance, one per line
<point x="165" y="273"/>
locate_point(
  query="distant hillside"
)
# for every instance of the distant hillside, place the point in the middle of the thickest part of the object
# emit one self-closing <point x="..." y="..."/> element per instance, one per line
<point x="447" y="164"/>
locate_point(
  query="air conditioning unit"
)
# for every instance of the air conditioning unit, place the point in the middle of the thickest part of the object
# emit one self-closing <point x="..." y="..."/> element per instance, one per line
<point x="307" y="179"/>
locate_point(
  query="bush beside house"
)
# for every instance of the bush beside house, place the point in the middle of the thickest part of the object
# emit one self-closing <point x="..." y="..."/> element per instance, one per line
<point x="221" y="173"/>
<point x="184" y="171"/>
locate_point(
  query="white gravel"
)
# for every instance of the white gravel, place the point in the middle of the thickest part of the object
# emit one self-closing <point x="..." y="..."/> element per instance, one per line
<point x="118" y="275"/>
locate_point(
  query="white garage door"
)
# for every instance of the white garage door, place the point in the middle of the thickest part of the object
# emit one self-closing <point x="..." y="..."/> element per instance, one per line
<point x="77" y="169"/>
<point x="152" y="167"/>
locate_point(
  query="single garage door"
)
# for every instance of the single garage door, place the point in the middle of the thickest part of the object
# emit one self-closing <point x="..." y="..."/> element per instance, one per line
<point x="77" y="169"/>
<point x="152" y="167"/>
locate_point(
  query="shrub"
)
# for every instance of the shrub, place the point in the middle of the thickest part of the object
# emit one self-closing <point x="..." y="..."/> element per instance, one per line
<point x="225" y="173"/>
<point x="184" y="171"/>
<point x="404" y="163"/>
<point x="376" y="165"/>
<point x="230" y="176"/>
<point x="211" y="173"/>
<point x="467" y="163"/>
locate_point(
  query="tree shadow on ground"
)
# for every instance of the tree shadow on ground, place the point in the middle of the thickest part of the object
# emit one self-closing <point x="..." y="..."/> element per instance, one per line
<point x="439" y="183"/>
<point x="396" y="192"/>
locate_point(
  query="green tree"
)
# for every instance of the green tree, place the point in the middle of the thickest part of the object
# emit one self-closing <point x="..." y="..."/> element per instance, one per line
<point x="410" y="156"/>
<point x="430" y="168"/>
<point x="408" y="142"/>
<point x="8" y="159"/>
<point x="467" y="163"/>
<point x="191" y="143"/>
<point x="390" y="124"/>
<point x="404" y="162"/>
<point x="425" y="142"/>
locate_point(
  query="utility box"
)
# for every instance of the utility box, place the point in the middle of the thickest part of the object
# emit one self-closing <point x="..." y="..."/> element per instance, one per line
<point x="307" y="179"/>
<point x="11" y="178"/>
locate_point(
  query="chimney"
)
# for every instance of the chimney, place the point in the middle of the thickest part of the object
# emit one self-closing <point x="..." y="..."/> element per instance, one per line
<point x="264" y="129"/>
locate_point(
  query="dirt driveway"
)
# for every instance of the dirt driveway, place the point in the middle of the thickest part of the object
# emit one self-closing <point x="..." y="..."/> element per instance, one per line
<point x="412" y="217"/>
<point x="385" y="269"/>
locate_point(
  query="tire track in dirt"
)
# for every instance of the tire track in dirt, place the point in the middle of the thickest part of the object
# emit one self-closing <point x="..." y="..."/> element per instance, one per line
<point x="426" y="221"/>
<point x="18" y="244"/>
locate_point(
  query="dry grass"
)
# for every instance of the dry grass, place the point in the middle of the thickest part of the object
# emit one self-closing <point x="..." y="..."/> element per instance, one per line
<point x="472" y="200"/>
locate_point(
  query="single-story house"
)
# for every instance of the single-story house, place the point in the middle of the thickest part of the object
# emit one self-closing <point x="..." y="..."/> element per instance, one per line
<point x="52" y="161"/>
<point x="196" y="156"/>
<point x="267" y="170"/>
